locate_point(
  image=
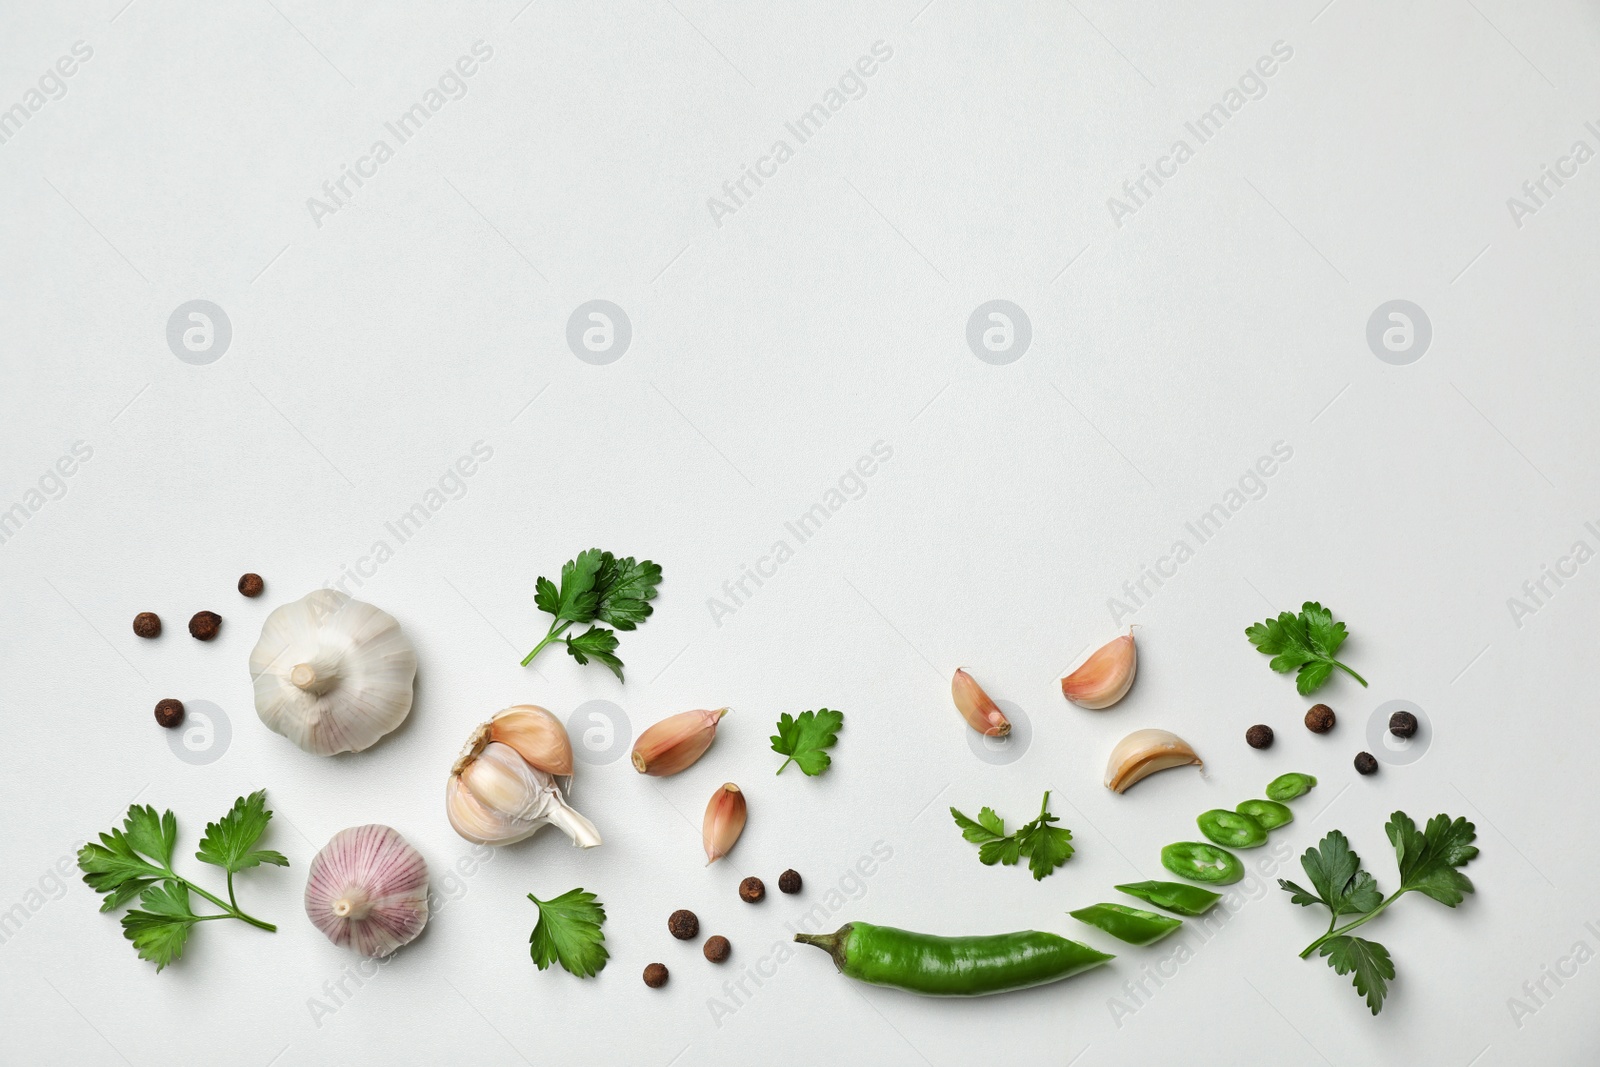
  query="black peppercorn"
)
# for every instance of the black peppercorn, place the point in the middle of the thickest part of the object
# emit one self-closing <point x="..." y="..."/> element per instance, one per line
<point x="655" y="975"/>
<point x="251" y="585"/>
<point x="1366" y="763"/>
<point x="789" y="881"/>
<point x="1259" y="736"/>
<point x="1320" y="719"/>
<point x="204" y="625"/>
<point x="1403" y="724"/>
<point x="683" y="924"/>
<point x="169" y="712"/>
<point x="717" y="948"/>
<point x="147" y="624"/>
<point x="751" y="890"/>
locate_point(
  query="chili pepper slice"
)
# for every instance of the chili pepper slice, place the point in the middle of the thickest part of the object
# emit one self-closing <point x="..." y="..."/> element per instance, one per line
<point x="1232" y="829"/>
<point x="1269" y="813"/>
<point x="1200" y="862"/>
<point x="1133" y="925"/>
<point x="1173" y="896"/>
<point x="953" y="966"/>
<point x="1289" y="786"/>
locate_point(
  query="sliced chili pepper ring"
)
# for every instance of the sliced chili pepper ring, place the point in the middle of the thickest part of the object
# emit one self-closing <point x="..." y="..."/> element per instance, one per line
<point x="1173" y="896"/>
<point x="1200" y="862"/>
<point x="1269" y="813"/>
<point x="1231" y="829"/>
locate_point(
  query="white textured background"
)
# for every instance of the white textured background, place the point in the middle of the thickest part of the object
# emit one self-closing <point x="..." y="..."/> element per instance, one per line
<point x="827" y="313"/>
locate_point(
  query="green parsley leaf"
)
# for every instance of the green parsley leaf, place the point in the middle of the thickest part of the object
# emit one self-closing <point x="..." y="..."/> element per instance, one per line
<point x="989" y="827"/>
<point x="596" y="586"/>
<point x="1306" y="643"/>
<point x="598" y="643"/>
<point x="160" y="930"/>
<point x="568" y="933"/>
<point x="1368" y="960"/>
<point x="1045" y="846"/>
<point x="804" y="739"/>
<point x="230" y="843"/>
<point x="1335" y="870"/>
<point x="625" y="589"/>
<point x="1428" y="860"/>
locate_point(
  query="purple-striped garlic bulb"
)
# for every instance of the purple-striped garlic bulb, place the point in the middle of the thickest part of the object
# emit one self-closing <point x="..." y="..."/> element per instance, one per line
<point x="368" y="888"/>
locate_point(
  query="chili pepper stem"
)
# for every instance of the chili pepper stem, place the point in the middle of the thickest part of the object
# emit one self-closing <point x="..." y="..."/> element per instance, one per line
<point x="832" y="944"/>
<point x="1347" y="927"/>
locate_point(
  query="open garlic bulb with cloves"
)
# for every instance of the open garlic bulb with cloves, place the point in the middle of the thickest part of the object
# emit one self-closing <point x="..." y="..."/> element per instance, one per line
<point x="510" y="779"/>
<point x="368" y="888"/>
<point x="332" y="674"/>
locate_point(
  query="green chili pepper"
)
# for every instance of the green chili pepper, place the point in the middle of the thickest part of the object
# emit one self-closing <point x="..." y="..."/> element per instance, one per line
<point x="1269" y="813"/>
<point x="1200" y="862"/>
<point x="1173" y="896"/>
<point x="1289" y="786"/>
<point x="1133" y="925"/>
<point x="953" y="966"/>
<point x="1232" y="829"/>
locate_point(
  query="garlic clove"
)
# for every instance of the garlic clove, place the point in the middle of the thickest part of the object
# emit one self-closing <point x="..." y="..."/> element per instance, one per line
<point x="674" y="743"/>
<point x="479" y="824"/>
<point x="537" y="735"/>
<point x="981" y="713"/>
<point x="368" y="888"/>
<point x="1143" y="753"/>
<point x="724" y="821"/>
<point x="1105" y="677"/>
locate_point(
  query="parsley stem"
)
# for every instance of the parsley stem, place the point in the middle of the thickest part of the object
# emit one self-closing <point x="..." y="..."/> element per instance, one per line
<point x="232" y="909"/>
<point x="1347" y="927"/>
<point x="556" y="630"/>
<point x="1350" y="672"/>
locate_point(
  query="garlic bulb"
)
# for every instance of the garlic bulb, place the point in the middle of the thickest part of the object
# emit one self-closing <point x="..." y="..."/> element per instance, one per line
<point x="507" y="783"/>
<point x="332" y="674"/>
<point x="368" y="888"/>
<point x="1105" y="677"/>
<point x="1143" y="753"/>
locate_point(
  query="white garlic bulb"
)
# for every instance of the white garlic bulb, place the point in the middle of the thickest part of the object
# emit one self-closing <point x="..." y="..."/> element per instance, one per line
<point x="510" y="780"/>
<point x="368" y="888"/>
<point x="332" y="674"/>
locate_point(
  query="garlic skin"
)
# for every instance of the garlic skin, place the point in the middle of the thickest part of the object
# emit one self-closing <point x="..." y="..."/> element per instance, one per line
<point x="1105" y="677"/>
<point x="674" y="743"/>
<point x="724" y="821"/>
<point x="368" y="888"/>
<point x="332" y="674"/>
<point x="502" y="792"/>
<point x="1143" y="753"/>
<point x="981" y="713"/>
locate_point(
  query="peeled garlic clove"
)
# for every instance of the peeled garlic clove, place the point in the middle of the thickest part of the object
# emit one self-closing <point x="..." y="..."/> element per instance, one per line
<point x="1105" y="677"/>
<point x="724" y="821"/>
<point x="1143" y="753"/>
<point x="675" y="742"/>
<point x="332" y="674"/>
<point x="368" y="888"/>
<point x="537" y="735"/>
<point x="981" y="713"/>
<point x="496" y="797"/>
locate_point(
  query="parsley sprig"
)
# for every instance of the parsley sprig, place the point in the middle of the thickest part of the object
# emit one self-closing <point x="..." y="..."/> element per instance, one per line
<point x="596" y="585"/>
<point x="568" y="933"/>
<point x="803" y="739"/>
<point x="136" y="861"/>
<point x="1429" y="862"/>
<point x="1306" y="643"/>
<point x="1045" y="846"/>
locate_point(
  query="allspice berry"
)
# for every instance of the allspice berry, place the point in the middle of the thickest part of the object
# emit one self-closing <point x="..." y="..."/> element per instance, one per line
<point x="251" y="585"/>
<point x="655" y="975"/>
<point x="1403" y="724"/>
<point x="1320" y="719"/>
<point x="204" y="625"/>
<point x="684" y="926"/>
<point x="1366" y="763"/>
<point x="169" y="712"/>
<point x="1259" y="736"/>
<point x="751" y="890"/>
<point x="147" y="624"/>
<point x="717" y="948"/>
<point x="789" y="881"/>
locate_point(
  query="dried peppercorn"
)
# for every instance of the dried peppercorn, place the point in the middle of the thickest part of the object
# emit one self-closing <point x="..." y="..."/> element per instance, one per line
<point x="147" y="624"/>
<point x="655" y="975"/>
<point x="1403" y="724"/>
<point x="1320" y="719"/>
<point x="204" y="625"/>
<point x="751" y="890"/>
<point x="717" y="948"/>
<point x="251" y="585"/>
<point x="1366" y="763"/>
<point x="789" y="881"/>
<point x="683" y="924"/>
<point x="1258" y="736"/>
<point x="169" y="712"/>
